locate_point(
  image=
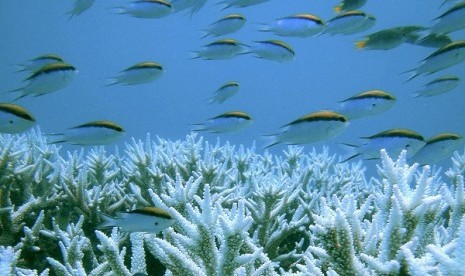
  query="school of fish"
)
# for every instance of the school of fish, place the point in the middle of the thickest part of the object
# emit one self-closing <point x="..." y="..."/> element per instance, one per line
<point x="50" y="72"/>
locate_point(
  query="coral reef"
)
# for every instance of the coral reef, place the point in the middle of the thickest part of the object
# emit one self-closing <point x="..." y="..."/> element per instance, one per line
<point x="237" y="212"/>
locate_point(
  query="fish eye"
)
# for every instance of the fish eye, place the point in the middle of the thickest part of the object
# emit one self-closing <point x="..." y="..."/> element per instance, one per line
<point x="156" y="223"/>
<point x="407" y="146"/>
<point x="10" y="121"/>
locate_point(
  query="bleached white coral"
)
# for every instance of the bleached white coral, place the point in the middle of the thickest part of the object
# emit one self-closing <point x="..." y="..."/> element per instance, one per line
<point x="237" y="212"/>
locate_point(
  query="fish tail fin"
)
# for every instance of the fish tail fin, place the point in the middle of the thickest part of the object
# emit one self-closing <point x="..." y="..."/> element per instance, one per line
<point x="272" y="140"/>
<point x="111" y="82"/>
<point x="57" y="140"/>
<point x="119" y="10"/>
<point x="263" y="27"/>
<point x="413" y="74"/>
<point x="352" y="152"/>
<point x="198" y="127"/>
<point x="194" y="55"/>
<point x="360" y="44"/>
<point x="19" y="68"/>
<point x="107" y="222"/>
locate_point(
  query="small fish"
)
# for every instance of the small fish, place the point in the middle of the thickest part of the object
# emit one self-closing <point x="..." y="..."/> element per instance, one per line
<point x="139" y="73"/>
<point x="48" y="79"/>
<point x="429" y="40"/>
<point x="145" y="219"/>
<point x="445" y="57"/>
<point x="225" y="92"/>
<point x="226" y="25"/>
<point x="349" y="22"/>
<point x="36" y="63"/>
<point x="299" y="25"/>
<point x="232" y="121"/>
<point x="241" y="3"/>
<point x="80" y="6"/>
<point x="14" y="118"/>
<point x="393" y="140"/>
<point x="312" y="128"/>
<point x="349" y="5"/>
<point x="275" y="50"/>
<point x="386" y="39"/>
<point x="220" y="49"/>
<point x="146" y="9"/>
<point x="367" y="103"/>
<point x="92" y="133"/>
<point x="438" y="86"/>
<point x="437" y="148"/>
<point x="450" y="21"/>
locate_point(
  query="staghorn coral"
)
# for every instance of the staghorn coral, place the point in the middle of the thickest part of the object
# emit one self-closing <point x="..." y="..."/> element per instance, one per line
<point x="237" y="212"/>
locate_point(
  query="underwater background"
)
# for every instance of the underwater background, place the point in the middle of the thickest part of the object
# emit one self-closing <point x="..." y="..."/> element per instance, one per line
<point x="221" y="208"/>
<point x="326" y="69"/>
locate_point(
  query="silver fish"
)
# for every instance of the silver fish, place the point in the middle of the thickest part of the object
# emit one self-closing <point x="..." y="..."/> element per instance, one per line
<point x="437" y="148"/>
<point x="349" y="22"/>
<point x="367" y="103"/>
<point x="145" y="219"/>
<point x="312" y="128"/>
<point x="48" y="79"/>
<point x="450" y="21"/>
<point x="226" y="25"/>
<point x="139" y="73"/>
<point x="275" y="50"/>
<point x="92" y="133"/>
<point x="447" y="56"/>
<point x="393" y="140"/>
<point x="438" y="86"/>
<point x="14" y="118"/>
<point x="146" y="9"/>
<point x="225" y="92"/>
<point x="232" y="121"/>
<point x="36" y="63"/>
<point x="220" y="49"/>
<point x="299" y="25"/>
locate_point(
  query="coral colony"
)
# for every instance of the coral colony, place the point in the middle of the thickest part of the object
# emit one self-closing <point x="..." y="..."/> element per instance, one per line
<point x="236" y="212"/>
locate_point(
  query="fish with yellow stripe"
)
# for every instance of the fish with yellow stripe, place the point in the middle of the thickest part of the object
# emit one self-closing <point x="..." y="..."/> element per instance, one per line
<point x="445" y="57"/>
<point x="146" y="9"/>
<point x="145" y="219"/>
<point x="139" y="73"/>
<point x="349" y="22"/>
<point x="232" y="121"/>
<point x="91" y="133"/>
<point x="367" y="103"/>
<point x="274" y="50"/>
<point x="36" y="63"/>
<point x="298" y="25"/>
<point x="48" y="79"/>
<point x="311" y="128"/>
<point x="226" y="25"/>
<point x="393" y="140"/>
<point x="437" y="148"/>
<point x="220" y="49"/>
<point x="14" y="118"/>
